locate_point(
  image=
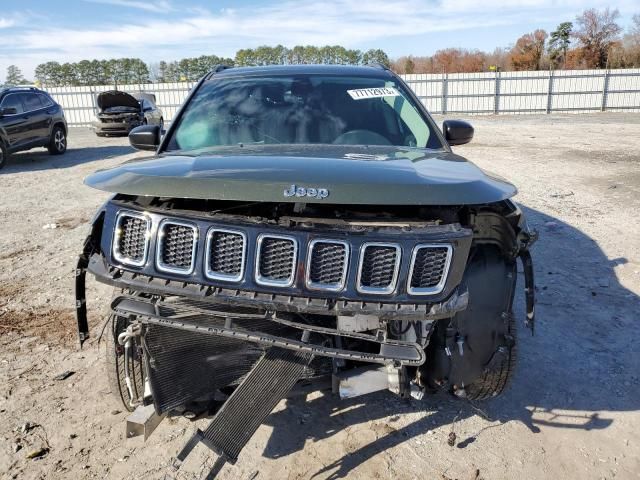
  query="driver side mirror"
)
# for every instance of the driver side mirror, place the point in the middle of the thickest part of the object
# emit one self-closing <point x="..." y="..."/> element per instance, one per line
<point x="457" y="132"/>
<point x="145" y="137"/>
<point x="8" y="111"/>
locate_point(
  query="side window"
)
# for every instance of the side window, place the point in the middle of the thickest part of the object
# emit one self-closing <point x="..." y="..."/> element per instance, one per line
<point x="46" y="101"/>
<point x="31" y="102"/>
<point x="12" y="100"/>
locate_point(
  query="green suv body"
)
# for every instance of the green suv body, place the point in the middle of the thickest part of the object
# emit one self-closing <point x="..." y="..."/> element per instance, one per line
<point x="309" y="209"/>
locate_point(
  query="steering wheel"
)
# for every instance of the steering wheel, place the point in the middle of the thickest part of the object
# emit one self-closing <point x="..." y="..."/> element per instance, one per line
<point x="361" y="137"/>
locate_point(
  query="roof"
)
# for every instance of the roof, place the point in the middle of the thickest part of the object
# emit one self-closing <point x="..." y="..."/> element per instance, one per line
<point x="357" y="70"/>
<point x="19" y="88"/>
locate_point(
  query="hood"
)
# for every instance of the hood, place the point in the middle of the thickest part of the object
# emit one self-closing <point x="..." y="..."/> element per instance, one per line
<point x="116" y="98"/>
<point x="276" y="173"/>
<point x="144" y="96"/>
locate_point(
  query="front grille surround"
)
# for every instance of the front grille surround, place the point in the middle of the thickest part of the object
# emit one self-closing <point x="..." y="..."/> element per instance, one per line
<point x="160" y="247"/>
<point x="391" y="287"/>
<point x="272" y="282"/>
<point x="217" y="275"/>
<point x="325" y="269"/>
<point x="435" y="289"/>
<point x="334" y="286"/>
<point x="119" y="232"/>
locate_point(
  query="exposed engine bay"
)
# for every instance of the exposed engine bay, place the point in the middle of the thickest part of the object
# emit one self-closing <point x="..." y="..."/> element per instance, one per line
<point x="118" y="112"/>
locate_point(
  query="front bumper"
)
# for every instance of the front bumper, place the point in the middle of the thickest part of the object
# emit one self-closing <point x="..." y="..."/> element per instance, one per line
<point x="114" y="128"/>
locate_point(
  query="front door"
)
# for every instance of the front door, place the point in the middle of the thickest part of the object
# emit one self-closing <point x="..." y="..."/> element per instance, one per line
<point x="14" y="124"/>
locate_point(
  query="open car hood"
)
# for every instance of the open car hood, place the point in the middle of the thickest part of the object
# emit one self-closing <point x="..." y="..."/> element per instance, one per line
<point x="349" y="174"/>
<point x="116" y="98"/>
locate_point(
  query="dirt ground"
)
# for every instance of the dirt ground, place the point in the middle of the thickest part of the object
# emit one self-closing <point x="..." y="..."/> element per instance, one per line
<point x="573" y="410"/>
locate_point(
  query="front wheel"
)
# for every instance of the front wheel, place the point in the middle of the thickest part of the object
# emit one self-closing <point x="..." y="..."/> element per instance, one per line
<point x="3" y="155"/>
<point x="58" y="141"/>
<point x="496" y="379"/>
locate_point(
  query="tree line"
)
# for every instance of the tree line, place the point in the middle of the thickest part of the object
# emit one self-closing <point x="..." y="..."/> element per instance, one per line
<point x="134" y="70"/>
<point x="594" y="40"/>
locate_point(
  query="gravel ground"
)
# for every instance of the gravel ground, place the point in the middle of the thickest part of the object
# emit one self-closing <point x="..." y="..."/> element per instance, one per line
<point x="573" y="409"/>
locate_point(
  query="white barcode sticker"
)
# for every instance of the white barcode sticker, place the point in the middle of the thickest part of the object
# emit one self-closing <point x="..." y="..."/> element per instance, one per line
<point x="363" y="93"/>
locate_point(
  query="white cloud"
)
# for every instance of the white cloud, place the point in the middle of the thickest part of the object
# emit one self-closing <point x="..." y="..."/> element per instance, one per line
<point x="7" y="22"/>
<point x="352" y="23"/>
<point x="161" y="6"/>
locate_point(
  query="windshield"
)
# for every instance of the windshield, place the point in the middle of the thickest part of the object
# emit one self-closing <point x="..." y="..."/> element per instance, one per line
<point x="301" y="109"/>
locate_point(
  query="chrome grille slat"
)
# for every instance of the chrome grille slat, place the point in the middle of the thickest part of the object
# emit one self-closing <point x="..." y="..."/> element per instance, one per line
<point x="131" y="240"/>
<point x="225" y="254"/>
<point x="429" y="268"/>
<point x="176" y="248"/>
<point x="276" y="258"/>
<point x="327" y="264"/>
<point x="378" y="268"/>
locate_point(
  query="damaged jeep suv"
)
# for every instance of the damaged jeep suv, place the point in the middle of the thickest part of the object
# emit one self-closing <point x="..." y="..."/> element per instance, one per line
<point x="298" y="224"/>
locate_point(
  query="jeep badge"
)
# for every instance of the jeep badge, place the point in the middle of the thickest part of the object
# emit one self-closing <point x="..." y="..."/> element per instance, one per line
<point x="319" y="193"/>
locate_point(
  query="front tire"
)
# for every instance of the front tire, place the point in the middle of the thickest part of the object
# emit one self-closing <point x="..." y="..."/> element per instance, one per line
<point x="115" y="364"/>
<point x="496" y="380"/>
<point x="58" y="141"/>
<point x="3" y="155"/>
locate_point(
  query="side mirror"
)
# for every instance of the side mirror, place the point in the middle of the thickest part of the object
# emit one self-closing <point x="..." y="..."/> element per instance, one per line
<point x="8" y="111"/>
<point x="145" y="137"/>
<point x="457" y="132"/>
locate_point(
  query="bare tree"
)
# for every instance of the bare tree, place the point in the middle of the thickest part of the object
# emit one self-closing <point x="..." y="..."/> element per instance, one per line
<point x="528" y="50"/>
<point x="597" y="32"/>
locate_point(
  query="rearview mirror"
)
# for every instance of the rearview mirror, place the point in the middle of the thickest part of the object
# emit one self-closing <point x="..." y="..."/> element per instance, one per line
<point x="145" y="137"/>
<point x="457" y="132"/>
<point x="8" y="111"/>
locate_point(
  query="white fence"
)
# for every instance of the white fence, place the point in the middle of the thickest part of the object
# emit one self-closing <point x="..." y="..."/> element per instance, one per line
<point x="460" y="93"/>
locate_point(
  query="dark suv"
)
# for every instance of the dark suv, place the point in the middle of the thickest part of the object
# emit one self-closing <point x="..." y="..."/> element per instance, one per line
<point x="30" y="118"/>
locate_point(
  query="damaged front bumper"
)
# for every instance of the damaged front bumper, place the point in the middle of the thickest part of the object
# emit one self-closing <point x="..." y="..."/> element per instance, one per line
<point x="122" y="124"/>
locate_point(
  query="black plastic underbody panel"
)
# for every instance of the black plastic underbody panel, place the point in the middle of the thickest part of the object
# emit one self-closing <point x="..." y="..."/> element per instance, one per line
<point x="254" y="331"/>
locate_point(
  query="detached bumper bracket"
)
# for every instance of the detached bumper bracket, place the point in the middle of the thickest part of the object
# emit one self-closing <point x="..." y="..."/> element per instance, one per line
<point x="529" y="290"/>
<point x="80" y="292"/>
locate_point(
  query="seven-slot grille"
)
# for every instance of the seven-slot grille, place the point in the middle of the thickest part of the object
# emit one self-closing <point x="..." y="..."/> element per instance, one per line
<point x="327" y="264"/>
<point x="176" y="250"/>
<point x="276" y="260"/>
<point x="379" y="267"/>
<point x="131" y="240"/>
<point x="276" y="257"/>
<point x="429" y="266"/>
<point x="226" y="250"/>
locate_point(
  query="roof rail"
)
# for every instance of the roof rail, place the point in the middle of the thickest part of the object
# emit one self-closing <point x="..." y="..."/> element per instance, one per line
<point x="19" y="87"/>
<point x="217" y="69"/>
<point x="377" y="65"/>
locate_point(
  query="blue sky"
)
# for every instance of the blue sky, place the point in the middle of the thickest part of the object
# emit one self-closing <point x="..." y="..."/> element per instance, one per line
<point x="35" y="31"/>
